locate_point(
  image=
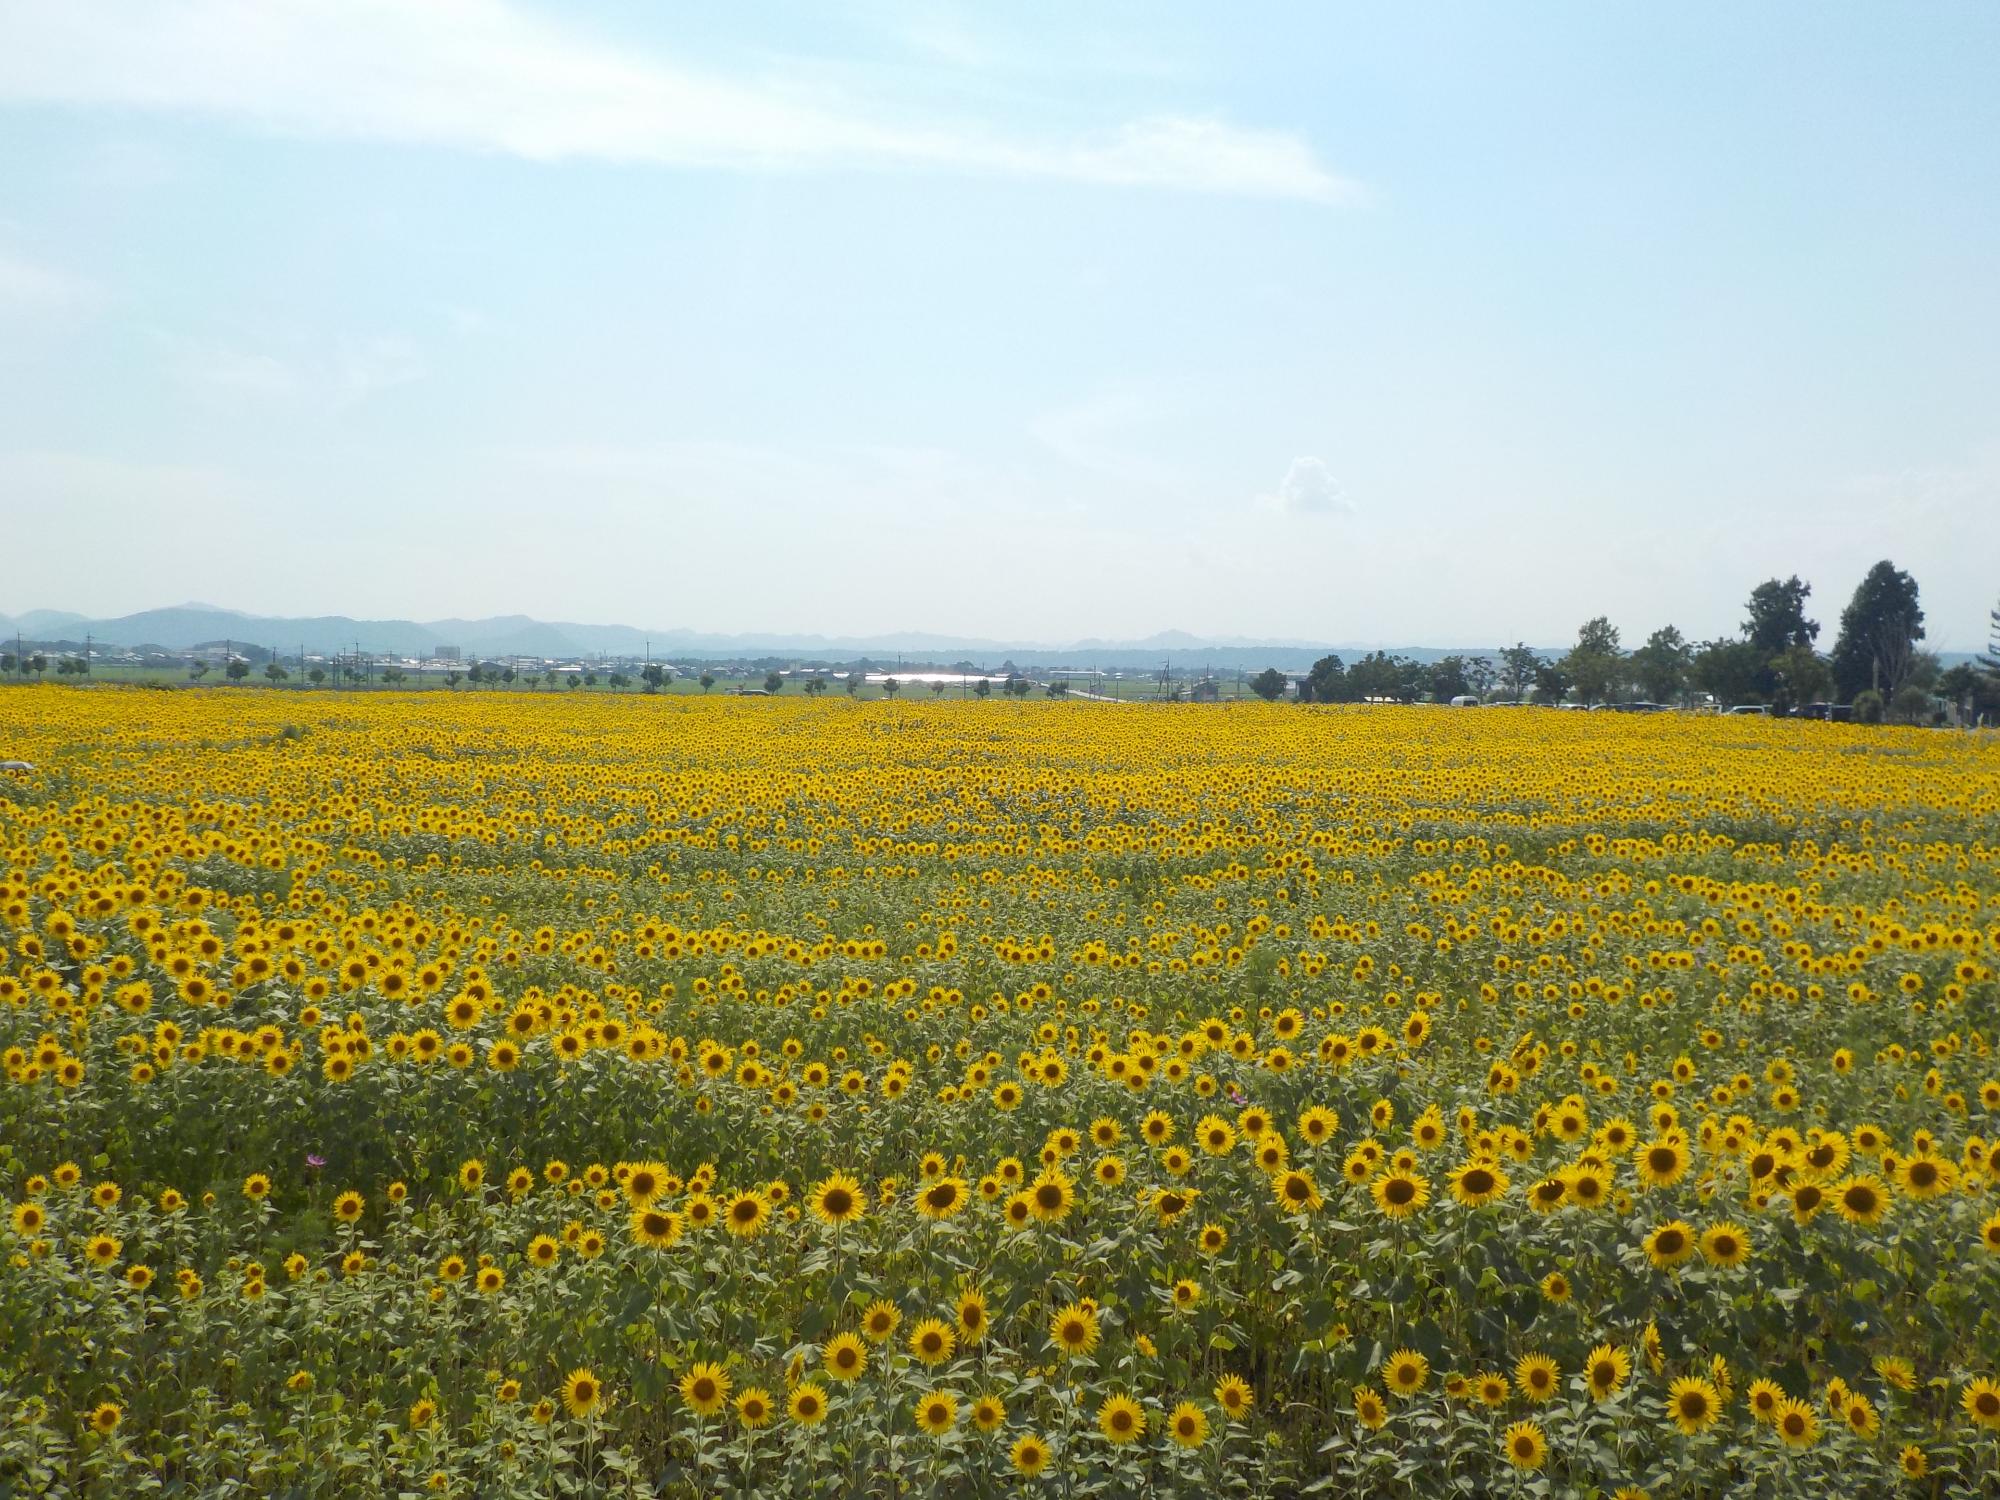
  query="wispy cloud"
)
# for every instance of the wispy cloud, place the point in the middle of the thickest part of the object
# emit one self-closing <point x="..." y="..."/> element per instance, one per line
<point x="351" y="372"/>
<point x="233" y="374"/>
<point x="488" y="75"/>
<point x="28" y="287"/>
<point x="1112" y="433"/>
<point x="1309" y="488"/>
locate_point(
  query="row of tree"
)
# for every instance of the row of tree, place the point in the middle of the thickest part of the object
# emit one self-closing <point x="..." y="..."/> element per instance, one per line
<point x="1877" y="664"/>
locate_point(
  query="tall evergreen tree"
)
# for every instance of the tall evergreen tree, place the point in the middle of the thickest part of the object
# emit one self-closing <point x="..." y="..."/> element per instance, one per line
<point x="1879" y="631"/>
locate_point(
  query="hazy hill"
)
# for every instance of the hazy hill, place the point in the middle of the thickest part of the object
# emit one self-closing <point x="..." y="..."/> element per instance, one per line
<point x="185" y="626"/>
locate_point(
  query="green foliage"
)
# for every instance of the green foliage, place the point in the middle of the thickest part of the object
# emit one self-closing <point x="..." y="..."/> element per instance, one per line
<point x="1879" y="631"/>
<point x="1777" y="617"/>
<point x="1595" y="665"/>
<point x="1327" y="682"/>
<point x="1519" y="665"/>
<point x="1663" y="664"/>
<point x="1734" y="671"/>
<point x="1799" y="677"/>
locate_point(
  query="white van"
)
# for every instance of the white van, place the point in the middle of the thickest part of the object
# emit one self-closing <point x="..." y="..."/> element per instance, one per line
<point x="1465" y="700"/>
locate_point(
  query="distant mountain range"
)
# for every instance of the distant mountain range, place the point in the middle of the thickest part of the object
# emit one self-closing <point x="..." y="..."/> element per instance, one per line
<point x="190" y="625"/>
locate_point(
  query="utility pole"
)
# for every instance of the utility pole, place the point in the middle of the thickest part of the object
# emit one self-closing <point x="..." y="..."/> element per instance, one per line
<point x="86" y="653"/>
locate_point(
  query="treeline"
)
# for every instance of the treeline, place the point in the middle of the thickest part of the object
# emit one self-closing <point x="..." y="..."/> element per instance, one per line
<point x="1877" y="666"/>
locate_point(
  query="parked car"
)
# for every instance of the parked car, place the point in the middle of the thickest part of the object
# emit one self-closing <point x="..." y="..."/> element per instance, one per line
<point x="1761" y="709"/>
<point x="1465" y="700"/>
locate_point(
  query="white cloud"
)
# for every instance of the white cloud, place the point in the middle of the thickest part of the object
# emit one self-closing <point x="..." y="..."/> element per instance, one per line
<point x="233" y="374"/>
<point x="27" y="287"/>
<point x="353" y="371"/>
<point x="1309" y="488"/>
<point x="377" y="364"/>
<point x="487" y="75"/>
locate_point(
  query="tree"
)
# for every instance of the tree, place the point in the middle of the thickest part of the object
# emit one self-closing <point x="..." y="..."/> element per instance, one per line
<point x="477" y="673"/>
<point x="275" y="673"/>
<point x="1975" y="690"/>
<point x="529" y="680"/>
<point x="655" y="677"/>
<point x="938" y="686"/>
<point x="773" y="683"/>
<point x="195" y="673"/>
<point x="317" y="675"/>
<point x="1868" y="707"/>
<point x="451" y="679"/>
<point x="1778" y="617"/>
<point x="507" y="675"/>
<point x="616" y="679"/>
<point x="891" y="686"/>
<point x="814" y="686"/>
<point x="573" y="680"/>
<point x="1327" y="682"/>
<point x="1018" y="685"/>
<point x="1518" y="664"/>
<point x="1449" y="679"/>
<point x="1595" y="664"/>
<point x="1879" y="631"/>
<point x="589" y="678"/>
<point x="8" y="663"/>
<point x="1732" y="670"/>
<point x="393" y="676"/>
<point x="982" y="687"/>
<point x="238" y="669"/>
<point x="1802" y="677"/>
<point x="1911" y="705"/>
<point x="1661" y="665"/>
<point x="1479" y="674"/>
<point x="854" y="683"/>
<point x="707" y="681"/>
<point x="1990" y="662"/>
<point x="1551" y="681"/>
<point x="1058" y="688"/>
<point x="1378" y="675"/>
<point x="40" y="663"/>
<point x="1268" y="684"/>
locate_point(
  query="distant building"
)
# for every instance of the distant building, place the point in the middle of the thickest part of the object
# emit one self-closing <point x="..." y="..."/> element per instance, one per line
<point x="1206" y="691"/>
<point x="447" y="653"/>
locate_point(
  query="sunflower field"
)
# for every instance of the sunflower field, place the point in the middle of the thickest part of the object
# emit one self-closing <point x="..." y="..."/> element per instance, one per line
<point x="495" y="1095"/>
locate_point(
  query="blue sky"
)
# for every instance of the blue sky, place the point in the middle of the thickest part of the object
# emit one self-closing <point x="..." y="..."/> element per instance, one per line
<point x="1420" y="325"/>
